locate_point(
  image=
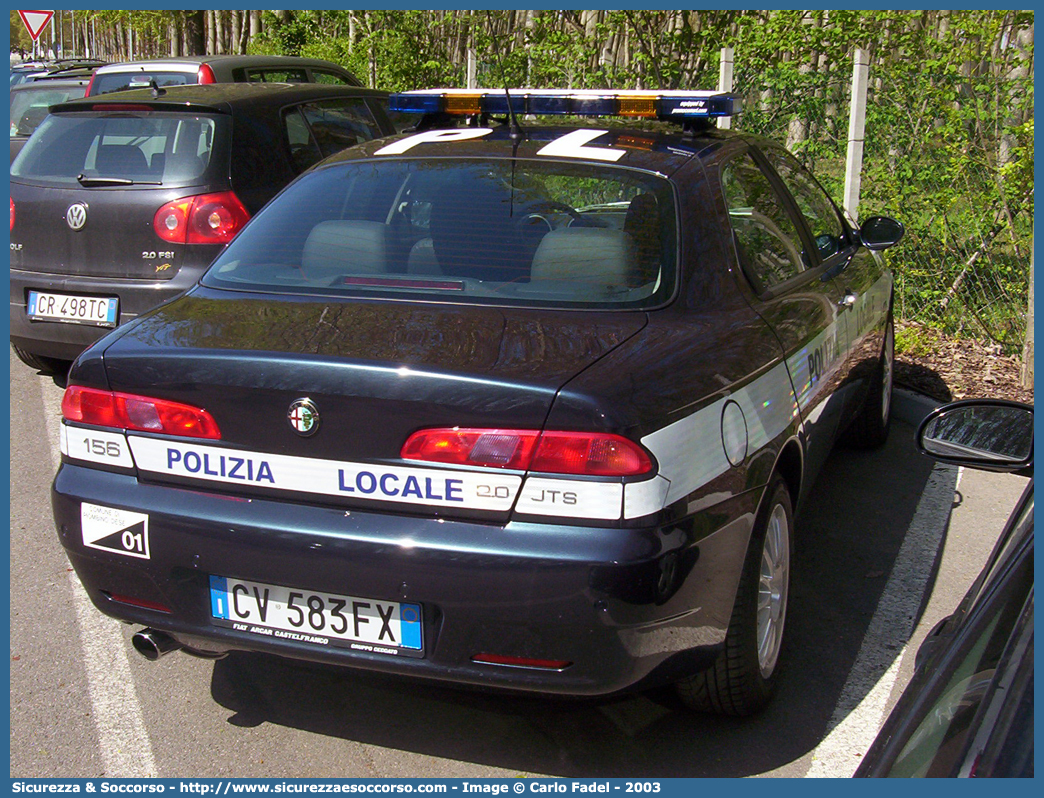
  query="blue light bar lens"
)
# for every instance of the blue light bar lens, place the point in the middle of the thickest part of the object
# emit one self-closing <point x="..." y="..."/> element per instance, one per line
<point x="416" y="103"/>
<point x="594" y="106"/>
<point x="497" y="104"/>
<point x="549" y="105"/>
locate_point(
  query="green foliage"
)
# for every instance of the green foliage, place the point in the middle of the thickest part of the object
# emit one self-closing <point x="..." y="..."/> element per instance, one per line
<point x="19" y="35"/>
<point x="949" y="128"/>
<point x="915" y="340"/>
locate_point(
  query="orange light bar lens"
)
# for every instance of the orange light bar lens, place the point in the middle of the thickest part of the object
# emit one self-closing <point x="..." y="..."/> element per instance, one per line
<point x="463" y="103"/>
<point x="637" y="106"/>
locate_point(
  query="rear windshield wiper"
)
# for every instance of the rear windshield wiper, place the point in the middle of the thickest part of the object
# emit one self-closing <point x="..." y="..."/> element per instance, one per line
<point x="115" y="181"/>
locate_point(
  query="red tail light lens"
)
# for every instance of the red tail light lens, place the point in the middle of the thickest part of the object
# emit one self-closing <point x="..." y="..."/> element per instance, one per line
<point x="12" y="213"/>
<point x="90" y="84"/>
<point x="203" y="219"/>
<point x="205" y="74"/>
<point x="583" y="453"/>
<point x="597" y="454"/>
<point x="142" y="413"/>
<point x="490" y="447"/>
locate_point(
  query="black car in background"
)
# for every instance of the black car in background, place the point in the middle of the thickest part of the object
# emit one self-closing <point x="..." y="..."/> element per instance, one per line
<point x="204" y="69"/>
<point x="31" y="101"/>
<point x="968" y="710"/>
<point x="505" y="405"/>
<point x="119" y="203"/>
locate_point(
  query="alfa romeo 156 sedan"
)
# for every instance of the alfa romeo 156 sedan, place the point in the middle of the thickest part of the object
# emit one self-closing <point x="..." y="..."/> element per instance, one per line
<point x="497" y="404"/>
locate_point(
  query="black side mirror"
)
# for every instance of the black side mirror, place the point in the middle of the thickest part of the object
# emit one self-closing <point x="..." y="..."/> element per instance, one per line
<point x="989" y="434"/>
<point x="880" y="232"/>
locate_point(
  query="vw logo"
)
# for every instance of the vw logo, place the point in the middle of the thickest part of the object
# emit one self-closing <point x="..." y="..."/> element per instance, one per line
<point x="76" y="216"/>
<point x="303" y="417"/>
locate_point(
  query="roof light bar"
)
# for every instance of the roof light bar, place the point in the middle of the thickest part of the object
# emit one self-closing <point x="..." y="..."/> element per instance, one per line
<point x="588" y="102"/>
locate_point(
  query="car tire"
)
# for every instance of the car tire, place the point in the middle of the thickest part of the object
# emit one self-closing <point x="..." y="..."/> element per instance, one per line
<point x="869" y="429"/>
<point x="48" y="365"/>
<point x="745" y="674"/>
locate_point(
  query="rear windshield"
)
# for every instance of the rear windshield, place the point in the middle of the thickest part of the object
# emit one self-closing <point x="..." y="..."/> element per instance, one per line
<point x="117" y="81"/>
<point x="506" y="232"/>
<point x="121" y="148"/>
<point x="29" y="107"/>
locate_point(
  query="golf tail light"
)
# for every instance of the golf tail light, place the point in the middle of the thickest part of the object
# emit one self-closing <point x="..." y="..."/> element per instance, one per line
<point x="140" y="413"/>
<point x="12" y="214"/>
<point x="205" y="74"/>
<point x="590" y="453"/>
<point x="202" y="219"/>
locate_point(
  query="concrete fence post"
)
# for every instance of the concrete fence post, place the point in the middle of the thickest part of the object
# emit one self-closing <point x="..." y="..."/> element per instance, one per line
<point x="1027" y="347"/>
<point x="725" y="81"/>
<point x="856" y="131"/>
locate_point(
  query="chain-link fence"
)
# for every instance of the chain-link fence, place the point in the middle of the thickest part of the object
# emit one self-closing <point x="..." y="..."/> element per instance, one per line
<point x="961" y="185"/>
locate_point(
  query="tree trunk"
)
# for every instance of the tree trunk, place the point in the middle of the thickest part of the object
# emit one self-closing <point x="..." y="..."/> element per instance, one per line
<point x="220" y="36"/>
<point x="211" y="27"/>
<point x="1023" y="40"/>
<point x="192" y="34"/>
<point x="237" y="32"/>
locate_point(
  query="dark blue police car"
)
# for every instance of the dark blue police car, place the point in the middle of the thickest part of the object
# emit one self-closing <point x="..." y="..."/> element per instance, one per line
<point x="493" y="403"/>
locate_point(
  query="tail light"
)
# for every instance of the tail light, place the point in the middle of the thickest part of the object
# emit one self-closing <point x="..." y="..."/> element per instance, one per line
<point x="205" y="74"/>
<point x="90" y="84"/>
<point x="141" y="413"/>
<point x="12" y="212"/>
<point x="203" y="219"/>
<point x="591" y="453"/>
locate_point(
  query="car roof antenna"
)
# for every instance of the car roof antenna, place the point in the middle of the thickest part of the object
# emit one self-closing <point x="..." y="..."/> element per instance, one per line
<point x="515" y="129"/>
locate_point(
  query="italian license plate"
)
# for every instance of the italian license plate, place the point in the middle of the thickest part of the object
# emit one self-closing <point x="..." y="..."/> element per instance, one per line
<point x="328" y="619"/>
<point x="99" y="311"/>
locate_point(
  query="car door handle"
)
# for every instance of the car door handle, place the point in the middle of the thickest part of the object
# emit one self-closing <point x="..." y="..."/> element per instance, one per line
<point x="847" y="301"/>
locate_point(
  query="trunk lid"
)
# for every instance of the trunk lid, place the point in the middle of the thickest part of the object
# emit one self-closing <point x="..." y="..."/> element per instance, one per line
<point x="375" y="371"/>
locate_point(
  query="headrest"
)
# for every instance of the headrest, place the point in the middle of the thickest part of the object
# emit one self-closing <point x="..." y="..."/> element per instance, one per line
<point x="588" y="254"/>
<point x="422" y="259"/>
<point x="344" y="247"/>
<point x="120" y="160"/>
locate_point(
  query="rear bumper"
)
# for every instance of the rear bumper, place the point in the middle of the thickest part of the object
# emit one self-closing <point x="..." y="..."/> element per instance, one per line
<point x="626" y="608"/>
<point x="65" y="340"/>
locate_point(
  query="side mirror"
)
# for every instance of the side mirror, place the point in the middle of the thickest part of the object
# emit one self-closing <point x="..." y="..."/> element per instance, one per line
<point x="880" y="232"/>
<point x="989" y="434"/>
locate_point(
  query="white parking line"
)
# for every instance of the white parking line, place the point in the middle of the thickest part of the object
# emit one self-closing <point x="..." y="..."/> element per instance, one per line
<point x="861" y="707"/>
<point x="122" y="738"/>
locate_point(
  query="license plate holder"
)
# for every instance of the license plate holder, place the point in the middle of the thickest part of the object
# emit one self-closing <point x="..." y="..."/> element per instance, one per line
<point x="317" y="617"/>
<point x="72" y="308"/>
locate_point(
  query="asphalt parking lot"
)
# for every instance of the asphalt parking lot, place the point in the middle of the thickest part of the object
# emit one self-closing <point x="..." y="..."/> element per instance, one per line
<point x="886" y="546"/>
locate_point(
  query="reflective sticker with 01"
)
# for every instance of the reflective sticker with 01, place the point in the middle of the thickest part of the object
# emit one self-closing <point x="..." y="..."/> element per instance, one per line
<point x="116" y="531"/>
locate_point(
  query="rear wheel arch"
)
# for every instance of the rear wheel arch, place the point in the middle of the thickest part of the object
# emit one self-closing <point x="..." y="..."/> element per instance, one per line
<point x="790" y="466"/>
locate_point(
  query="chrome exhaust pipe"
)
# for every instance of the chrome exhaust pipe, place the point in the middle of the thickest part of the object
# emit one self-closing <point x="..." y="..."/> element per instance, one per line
<point x="153" y="644"/>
